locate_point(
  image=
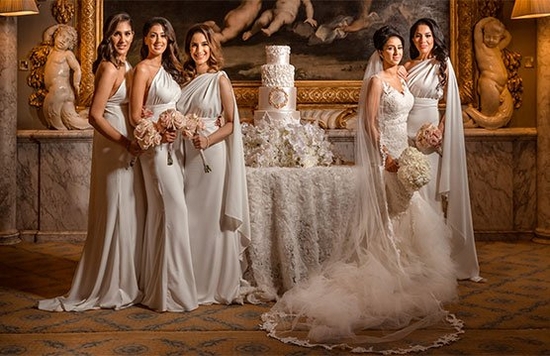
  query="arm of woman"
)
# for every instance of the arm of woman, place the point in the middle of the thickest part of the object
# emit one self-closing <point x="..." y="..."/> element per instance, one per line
<point x="374" y="93"/>
<point x="228" y="109"/>
<point x="137" y="93"/>
<point x="104" y="85"/>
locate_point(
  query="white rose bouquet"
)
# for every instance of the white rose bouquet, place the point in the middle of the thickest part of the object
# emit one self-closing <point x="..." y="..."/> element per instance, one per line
<point x="429" y="139"/>
<point x="414" y="169"/>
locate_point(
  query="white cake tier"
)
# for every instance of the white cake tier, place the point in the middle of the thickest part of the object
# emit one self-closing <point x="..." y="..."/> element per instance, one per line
<point x="278" y="75"/>
<point x="286" y="117"/>
<point x="277" y="54"/>
<point x="278" y="99"/>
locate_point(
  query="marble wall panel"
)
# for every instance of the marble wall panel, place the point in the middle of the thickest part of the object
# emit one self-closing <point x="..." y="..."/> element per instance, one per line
<point x="54" y="170"/>
<point x="27" y="184"/>
<point x="490" y="170"/>
<point x="525" y="185"/>
<point x="64" y="185"/>
<point x="343" y="144"/>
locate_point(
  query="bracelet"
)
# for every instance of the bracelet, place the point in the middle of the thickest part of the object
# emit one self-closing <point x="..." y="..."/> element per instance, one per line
<point x="207" y="141"/>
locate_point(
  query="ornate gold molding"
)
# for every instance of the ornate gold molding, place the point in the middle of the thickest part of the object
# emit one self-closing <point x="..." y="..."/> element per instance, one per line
<point x="462" y="17"/>
<point x="89" y="26"/>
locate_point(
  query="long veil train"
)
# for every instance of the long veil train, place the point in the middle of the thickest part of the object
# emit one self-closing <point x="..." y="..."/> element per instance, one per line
<point x="379" y="291"/>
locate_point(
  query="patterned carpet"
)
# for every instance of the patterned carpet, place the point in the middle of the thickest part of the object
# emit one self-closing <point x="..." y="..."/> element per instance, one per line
<point x="507" y="315"/>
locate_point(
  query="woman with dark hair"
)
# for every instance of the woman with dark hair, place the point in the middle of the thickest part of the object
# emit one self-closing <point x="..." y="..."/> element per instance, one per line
<point x="217" y="200"/>
<point x="167" y="278"/>
<point x="107" y="274"/>
<point x="390" y="275"/>
<point x="431" y="79"/>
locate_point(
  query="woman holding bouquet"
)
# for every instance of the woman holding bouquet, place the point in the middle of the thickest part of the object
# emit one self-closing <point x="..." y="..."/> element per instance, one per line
<point x="108" y="270"/>
<point x="393" y="271"/>
<point x="167" y="278"/>
<point x="217" y="199"/>
<point x="431" y="78"/>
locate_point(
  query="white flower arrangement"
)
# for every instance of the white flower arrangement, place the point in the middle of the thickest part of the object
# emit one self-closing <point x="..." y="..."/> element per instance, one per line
<point x="414" y="169"/>
<point x="277" y="144"/>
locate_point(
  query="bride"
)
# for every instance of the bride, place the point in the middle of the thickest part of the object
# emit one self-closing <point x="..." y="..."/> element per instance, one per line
<point x="393" y="272"/>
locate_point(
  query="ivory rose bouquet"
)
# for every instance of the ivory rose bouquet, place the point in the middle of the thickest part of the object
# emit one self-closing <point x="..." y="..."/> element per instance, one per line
<point x="429" y="139"/>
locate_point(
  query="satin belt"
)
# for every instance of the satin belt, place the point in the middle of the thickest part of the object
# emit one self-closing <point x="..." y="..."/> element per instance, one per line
<point x="424" y="110"/>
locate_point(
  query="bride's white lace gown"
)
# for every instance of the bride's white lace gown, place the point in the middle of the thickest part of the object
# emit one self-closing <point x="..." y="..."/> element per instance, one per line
<point x="391" y="272"/>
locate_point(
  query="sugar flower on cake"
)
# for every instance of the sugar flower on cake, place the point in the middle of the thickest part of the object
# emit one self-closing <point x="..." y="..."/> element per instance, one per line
<point x="276" y="144"/>
<point x="414" y="169"/>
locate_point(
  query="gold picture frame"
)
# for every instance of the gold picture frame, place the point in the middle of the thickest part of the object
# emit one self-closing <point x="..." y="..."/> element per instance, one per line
<point x="312" y="94"/>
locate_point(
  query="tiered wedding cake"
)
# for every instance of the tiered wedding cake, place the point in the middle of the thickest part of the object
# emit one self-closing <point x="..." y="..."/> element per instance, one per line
<point x="277" y="95"/>
<point x="277" y="138"/>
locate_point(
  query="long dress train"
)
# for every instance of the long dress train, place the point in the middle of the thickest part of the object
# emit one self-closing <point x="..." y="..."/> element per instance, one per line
<point x="449" y="171"/>
<point x="107" y="273"/>
<point x="389" y="276"/>
<point x="217" y="201"/>
<point x="168" y="281"/>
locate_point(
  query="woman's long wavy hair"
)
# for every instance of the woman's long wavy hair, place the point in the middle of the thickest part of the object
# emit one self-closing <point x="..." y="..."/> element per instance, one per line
<point x="171" y="58"/>
<point x="439" y="51"/>
<point x="106" y="50"/>
<point x="215" y="62"/>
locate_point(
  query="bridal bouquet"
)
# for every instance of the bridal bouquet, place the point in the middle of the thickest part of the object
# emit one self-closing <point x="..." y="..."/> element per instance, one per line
<point x="191" y="125"/>
<point x="414" y="169"/>
<point x="429" y="139"/>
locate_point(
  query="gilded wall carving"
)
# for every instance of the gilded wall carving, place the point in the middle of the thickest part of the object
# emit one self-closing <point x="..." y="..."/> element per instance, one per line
<point x="311" y="94"/>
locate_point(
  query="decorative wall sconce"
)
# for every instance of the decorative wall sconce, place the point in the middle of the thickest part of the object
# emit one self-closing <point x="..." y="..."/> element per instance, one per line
<point x="529" y="9"/>
<point x="18" y="7"/>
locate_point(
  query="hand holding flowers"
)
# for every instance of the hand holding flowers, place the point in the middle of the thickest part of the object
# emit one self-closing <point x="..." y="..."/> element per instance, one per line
<point x="151" y="134"/>
<point x="429" y="139"/>
<point x="192" y="126"/>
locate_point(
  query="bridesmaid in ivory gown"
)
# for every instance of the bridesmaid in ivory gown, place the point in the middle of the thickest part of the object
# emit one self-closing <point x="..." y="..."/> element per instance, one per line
<point x="217" y="200"/>
<point x="107" y="274"/>
<point x="387" y="279"/>
<point x="431" y="78"/>
<point x="168" y="281"/>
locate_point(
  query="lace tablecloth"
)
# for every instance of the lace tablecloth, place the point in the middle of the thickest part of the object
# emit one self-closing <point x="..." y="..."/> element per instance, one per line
<point x="296" y="214"/>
